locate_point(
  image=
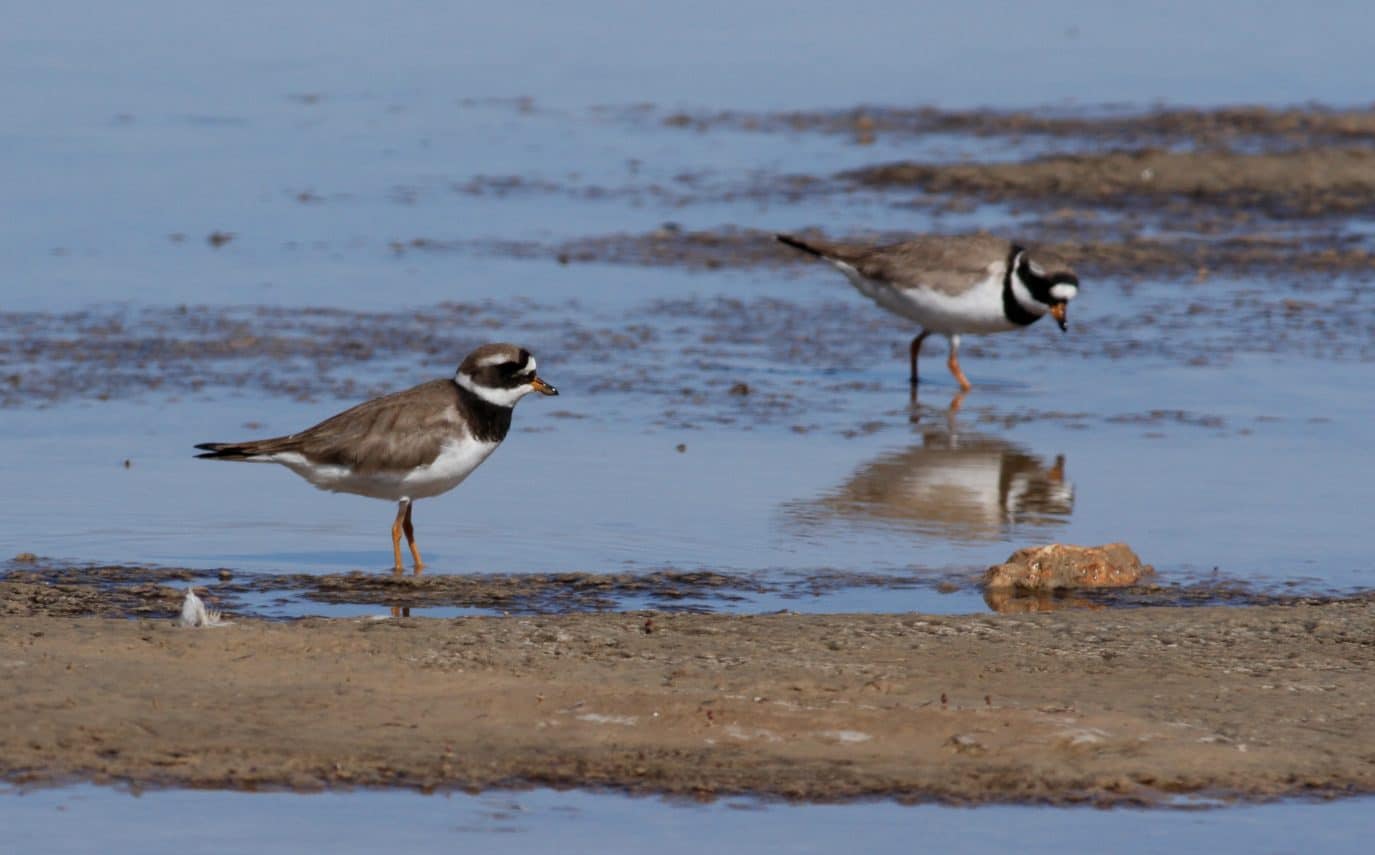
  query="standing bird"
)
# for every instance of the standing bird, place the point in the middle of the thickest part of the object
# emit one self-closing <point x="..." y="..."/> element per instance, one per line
<point x="953" y="285"/>
<point x="408" y="445"/>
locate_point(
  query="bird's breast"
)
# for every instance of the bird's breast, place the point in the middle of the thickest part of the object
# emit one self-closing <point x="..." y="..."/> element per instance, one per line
<point x="976" y="309"/>
<point x="456" y="461"/>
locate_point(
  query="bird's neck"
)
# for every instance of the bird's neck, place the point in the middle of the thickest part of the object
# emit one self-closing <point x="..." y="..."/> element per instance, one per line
<point x="1014" y="309"/>
<point x="488" y="422"/>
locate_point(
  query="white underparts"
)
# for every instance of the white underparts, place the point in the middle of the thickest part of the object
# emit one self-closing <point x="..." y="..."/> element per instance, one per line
<point x="456" y="461"/>
<point x="976" y="309"/>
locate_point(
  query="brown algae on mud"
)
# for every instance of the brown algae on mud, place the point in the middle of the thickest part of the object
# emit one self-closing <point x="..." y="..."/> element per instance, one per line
<point x="139" y="591"/>
<point x="55" y="589"/>
<point x="689" y="351"/>
<point x="1190" y="215"/>
<point x="1307" y="183"/>
<point x="1115" y="252"/>
<point x="1254" y="126"/>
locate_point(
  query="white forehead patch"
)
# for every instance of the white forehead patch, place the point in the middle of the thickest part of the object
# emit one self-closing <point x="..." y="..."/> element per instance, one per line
<point x="529" y="366"/>
<point x="1064" y="291"/>
<point x="494" y="359"/>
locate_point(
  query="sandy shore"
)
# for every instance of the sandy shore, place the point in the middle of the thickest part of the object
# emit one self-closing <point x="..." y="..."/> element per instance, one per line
<point x="1111" y="707"/>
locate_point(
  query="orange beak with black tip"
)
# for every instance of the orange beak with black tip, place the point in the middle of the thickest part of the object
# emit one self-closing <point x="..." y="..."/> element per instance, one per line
<point x="543" y="388"/>
<point x="1057" y="312"/>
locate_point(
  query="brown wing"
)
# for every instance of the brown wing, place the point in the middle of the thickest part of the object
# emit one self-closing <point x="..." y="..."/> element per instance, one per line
<point x="945" y="264"/>
<point x="395" y="432"/>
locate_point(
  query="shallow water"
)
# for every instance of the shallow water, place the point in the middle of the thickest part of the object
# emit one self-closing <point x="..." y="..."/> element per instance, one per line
<point x="1228" y="470"/>
<point x="69" y="820"/>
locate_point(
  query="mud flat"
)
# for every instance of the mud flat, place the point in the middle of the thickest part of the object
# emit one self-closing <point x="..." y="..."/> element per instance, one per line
<point x="1261" y="127"/>
<point x="1314" y="182"/>
<point x="1122" y="254"/>
<point x="1131" y="706"/>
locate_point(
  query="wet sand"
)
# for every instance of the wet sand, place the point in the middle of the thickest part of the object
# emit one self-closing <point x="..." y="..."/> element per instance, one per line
<point x="38" y="588"/>
<point x="1133" y="706"/>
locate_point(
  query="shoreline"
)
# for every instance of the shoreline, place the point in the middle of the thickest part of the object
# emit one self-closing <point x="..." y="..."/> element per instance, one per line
<point x="1131" y="707"/>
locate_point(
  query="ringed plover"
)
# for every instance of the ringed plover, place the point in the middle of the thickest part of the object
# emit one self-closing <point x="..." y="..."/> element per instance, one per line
<point x="953" y="285"/>
<point x="408" y="445"/>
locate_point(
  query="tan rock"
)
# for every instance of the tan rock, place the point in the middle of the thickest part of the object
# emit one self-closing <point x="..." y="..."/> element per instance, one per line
<point x="1063" y="565"/>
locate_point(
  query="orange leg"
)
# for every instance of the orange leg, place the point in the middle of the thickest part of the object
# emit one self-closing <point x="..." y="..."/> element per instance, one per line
<point x="913" y="351"/>
<point x="410" y="541"/>
<point x="954" y="364"/>
<point x="401" y="513"/>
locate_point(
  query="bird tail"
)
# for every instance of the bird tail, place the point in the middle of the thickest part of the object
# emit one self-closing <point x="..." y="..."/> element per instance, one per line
<point x="796" y="243"/>
<point x="237" y="450"/>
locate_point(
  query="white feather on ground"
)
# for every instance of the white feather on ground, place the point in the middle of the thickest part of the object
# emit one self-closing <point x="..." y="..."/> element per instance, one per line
<point x="194" y="612"/>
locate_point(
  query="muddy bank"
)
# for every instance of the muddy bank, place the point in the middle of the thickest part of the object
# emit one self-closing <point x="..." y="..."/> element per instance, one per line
<point x="1180" y="169"/>
<point x="45" y="588"/>
<point x="1116" y="254"/>
<point x="1314" y="182"/>
<point x="118" y="351"/>
<point x="1242" y="125"/>
<point x="1120" y="707"/>
<point x="38" y="587"/>
<point x="689" y="353"/>
<point x="41" y="588"/>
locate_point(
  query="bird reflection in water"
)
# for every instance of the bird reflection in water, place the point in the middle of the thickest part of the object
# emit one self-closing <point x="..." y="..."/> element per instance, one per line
<point x="960" y="485"/>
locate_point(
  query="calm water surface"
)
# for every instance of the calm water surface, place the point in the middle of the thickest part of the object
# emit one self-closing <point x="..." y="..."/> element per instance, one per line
<point x="73" y="820"/>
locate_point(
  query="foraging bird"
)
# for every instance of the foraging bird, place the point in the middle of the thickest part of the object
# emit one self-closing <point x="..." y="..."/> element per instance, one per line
<point x="953" y="285"/>
<point x="408" y="445"/>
